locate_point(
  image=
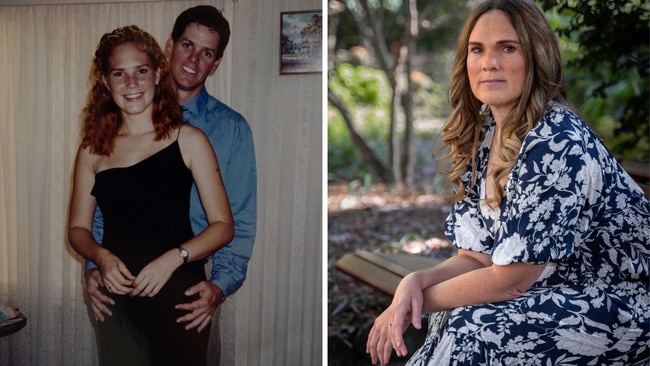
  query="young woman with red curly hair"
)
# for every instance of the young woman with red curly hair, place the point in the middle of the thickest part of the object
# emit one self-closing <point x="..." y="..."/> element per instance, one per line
<point x="137" y="162"/>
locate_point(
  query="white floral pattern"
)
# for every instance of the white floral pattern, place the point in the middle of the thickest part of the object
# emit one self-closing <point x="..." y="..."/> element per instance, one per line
<point x="570" y="204"/>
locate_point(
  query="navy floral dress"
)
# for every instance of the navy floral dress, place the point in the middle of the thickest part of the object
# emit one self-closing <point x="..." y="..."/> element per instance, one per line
<point x="567" y="203"/>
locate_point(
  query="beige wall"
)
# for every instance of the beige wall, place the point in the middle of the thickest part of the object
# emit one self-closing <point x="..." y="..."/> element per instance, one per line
<point x="277" y="315"/>
<point x="45" y="50"/>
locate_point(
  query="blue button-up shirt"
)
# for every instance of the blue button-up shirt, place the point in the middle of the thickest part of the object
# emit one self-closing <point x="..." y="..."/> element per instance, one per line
<point x="232" y="140"/>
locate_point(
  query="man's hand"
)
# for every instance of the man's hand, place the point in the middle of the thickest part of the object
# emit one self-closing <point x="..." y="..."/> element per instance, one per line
<point x="201" y="310"/>
<point x="98" y="300"/>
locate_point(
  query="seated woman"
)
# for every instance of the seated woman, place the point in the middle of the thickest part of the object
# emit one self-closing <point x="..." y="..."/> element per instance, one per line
<point x="552" y="234"/>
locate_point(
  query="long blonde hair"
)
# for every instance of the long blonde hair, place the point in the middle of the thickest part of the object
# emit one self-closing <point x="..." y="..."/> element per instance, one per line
<point x="544" y="83"/>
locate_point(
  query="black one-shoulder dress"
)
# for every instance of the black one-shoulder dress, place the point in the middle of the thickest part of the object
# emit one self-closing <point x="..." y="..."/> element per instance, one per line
<point x="145" y="208"/>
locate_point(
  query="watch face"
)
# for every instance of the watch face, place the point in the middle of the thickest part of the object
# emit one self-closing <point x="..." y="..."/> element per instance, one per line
<point x="184" y="254"/>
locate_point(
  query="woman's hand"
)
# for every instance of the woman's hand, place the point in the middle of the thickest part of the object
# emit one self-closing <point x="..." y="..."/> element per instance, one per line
<point x="115" y="275"/>
<point x="155" y="275"/>
<point x="380" y="343"/>
<point x="386" y="332"/>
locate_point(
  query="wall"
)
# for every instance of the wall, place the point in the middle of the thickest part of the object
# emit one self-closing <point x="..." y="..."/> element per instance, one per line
<point x="284" y="295"/>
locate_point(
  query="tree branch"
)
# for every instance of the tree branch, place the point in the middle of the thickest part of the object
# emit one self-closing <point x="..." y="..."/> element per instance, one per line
<point x="366" y="152"/>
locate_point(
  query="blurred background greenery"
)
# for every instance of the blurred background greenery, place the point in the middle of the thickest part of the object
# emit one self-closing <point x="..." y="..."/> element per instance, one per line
<point x="388" y="76"/>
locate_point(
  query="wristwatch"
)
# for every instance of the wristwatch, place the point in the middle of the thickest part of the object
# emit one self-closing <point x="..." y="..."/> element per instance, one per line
<point x="183" y="253"/>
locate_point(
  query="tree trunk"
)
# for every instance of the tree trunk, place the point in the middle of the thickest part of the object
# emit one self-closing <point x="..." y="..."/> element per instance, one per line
<point x="366" y="152"/>
<point x="408" y="146"/>
<point x="396" y="150"/>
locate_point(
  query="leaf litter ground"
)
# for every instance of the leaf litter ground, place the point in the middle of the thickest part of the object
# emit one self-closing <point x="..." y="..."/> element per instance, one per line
<point x="384" y="220"/>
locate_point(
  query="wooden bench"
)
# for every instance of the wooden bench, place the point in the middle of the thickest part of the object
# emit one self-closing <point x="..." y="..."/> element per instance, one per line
<point x="384" y="271"/>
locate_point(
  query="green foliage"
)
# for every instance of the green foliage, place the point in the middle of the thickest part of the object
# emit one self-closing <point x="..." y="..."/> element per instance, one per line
<point x="440" y="23"/>
<point x="366" y="92"/>
<point x="373" y="33"/>
<point x="430" y="99"/>
<point x="605" y="46"/>
<point x="606" y="49"/>
<point x="360" y="85"/>
<point x="343" y="160"/>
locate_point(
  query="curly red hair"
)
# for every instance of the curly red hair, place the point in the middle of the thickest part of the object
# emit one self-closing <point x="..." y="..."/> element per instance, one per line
<point x="101" y="116"/>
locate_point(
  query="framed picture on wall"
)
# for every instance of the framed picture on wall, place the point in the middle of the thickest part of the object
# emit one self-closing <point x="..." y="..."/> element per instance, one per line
<point x="301" y="42"/>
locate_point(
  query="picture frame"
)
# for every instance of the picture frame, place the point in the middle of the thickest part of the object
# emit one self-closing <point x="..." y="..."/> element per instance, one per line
<point x="301" y="42"/>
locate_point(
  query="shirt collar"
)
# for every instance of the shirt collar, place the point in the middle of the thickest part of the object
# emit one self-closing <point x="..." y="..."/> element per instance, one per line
<point x="194" y="105"/>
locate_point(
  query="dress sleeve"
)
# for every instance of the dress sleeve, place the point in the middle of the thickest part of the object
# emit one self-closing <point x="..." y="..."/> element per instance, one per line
<point x="549" y="196"/>
<point x="465" y="228"/>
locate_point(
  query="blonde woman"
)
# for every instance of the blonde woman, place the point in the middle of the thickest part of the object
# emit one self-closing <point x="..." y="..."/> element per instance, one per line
<point x="552" y="234"/>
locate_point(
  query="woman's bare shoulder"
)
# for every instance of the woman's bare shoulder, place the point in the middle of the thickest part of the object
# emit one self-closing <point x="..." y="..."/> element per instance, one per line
<point x="192" y="140"/>
<point x="190" y="133"/>
<point x="86" y="158"/>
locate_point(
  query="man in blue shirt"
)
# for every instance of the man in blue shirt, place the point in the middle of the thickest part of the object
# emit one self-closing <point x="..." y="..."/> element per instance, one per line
<point x="196" y="46"/>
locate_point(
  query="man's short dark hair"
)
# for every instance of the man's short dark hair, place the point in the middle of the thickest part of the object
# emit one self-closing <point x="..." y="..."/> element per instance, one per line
<point x="207" y="16"/>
